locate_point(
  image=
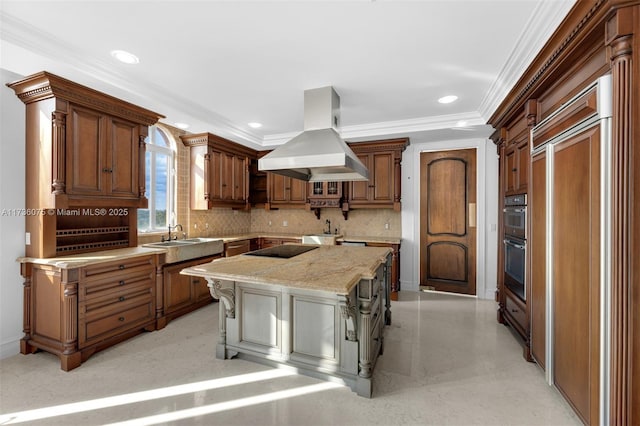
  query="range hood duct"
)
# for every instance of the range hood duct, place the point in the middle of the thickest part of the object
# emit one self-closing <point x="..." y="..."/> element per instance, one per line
<point x="318" y="154"/>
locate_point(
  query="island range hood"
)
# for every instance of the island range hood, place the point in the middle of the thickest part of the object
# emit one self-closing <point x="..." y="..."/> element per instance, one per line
<point x="318" y="154"/>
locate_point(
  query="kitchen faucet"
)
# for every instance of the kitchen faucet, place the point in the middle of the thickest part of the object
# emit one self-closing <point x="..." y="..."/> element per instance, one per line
<point x="328" y="223"/>
<point x="174" y="228"/>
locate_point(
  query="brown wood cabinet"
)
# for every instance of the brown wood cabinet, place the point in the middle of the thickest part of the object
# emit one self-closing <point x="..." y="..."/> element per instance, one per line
<point x="85" y="152"/>
<point x="286" y="192"/>
<point x="75" y="312"/>
<point x="233" y="248"/>
<point x="383" y="160"/>
<point x="266" y="242"/>
<point x="219" y="171"/>
<point x="183" y="293"/>
<point x="516" y="158"/>
<point x="583" y="228"/>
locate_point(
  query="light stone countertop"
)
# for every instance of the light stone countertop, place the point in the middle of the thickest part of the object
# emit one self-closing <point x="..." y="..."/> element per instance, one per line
<point x="365" y="239"/>
<point x="333" y="269"/>
<point x="84" y="259"/>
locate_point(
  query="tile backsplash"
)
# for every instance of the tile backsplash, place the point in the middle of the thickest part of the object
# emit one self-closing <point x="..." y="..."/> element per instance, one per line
<point x="364" y="222"/>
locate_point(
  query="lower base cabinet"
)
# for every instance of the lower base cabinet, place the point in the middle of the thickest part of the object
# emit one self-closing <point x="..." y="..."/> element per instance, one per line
<point x="181" y="293"/>
<point x="75" y="312"/>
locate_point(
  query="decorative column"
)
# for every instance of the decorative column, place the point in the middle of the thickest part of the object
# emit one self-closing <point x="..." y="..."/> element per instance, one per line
<point x="58" y="152"/>
<point x="620" y="42"/>
<point x="142" y="151"/>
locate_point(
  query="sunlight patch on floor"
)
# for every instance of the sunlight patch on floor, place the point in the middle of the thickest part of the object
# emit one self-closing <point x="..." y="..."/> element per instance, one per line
<point x="130" y="398"/>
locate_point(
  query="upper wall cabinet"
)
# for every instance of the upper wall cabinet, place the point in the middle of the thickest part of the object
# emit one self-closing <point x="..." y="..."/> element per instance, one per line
<point x="382" y="159"/>
<point x="286" y="192"/>
<point x="84" y="148"/>
<point x="516" y="158"/>
<point x="85" y="171"/>
<point x="219" y="172"/>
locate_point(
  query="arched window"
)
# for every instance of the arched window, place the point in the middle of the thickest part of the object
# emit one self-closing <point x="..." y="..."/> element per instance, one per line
<point x="159" y="182"/>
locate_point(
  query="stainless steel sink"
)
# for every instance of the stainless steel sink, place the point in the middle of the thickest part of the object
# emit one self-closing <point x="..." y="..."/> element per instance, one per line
<point x="190" y="248"/>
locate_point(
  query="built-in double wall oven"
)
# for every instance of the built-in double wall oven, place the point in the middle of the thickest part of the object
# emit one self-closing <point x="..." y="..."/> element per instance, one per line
<point x="515" y="244"/>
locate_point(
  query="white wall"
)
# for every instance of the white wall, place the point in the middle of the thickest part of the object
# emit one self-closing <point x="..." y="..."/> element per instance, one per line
<point x="487" y="211"/>
<point x="12" y="196"/>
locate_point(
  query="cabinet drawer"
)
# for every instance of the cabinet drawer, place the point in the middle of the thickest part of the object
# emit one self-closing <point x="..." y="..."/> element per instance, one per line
<point x="117" y="268"/>
<point x="236" y="247"/>
<point x="114" y="321"/>
<point x="116" y="284"/>
<point x="516" y="311"/>
<point x="100" y="306"/>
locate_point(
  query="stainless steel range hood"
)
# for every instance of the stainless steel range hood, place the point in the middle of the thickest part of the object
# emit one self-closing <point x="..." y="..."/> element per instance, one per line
<point x="317" y="154"/>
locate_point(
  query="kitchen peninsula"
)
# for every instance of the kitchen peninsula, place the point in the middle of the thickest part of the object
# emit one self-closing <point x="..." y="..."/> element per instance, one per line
<point x="321" y="311"/>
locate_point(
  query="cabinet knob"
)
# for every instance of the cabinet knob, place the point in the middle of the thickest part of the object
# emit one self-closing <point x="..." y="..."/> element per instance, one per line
<point x="372" y="186"/>
<point x="196" y="281"/>
<point x="121" y="298"/>
<point x="121" y="282"/>
<point x="514" y="170"/>
<point x="121" y="267"/>
<point x="121" y="319"/>
<point x="107" y="170"/>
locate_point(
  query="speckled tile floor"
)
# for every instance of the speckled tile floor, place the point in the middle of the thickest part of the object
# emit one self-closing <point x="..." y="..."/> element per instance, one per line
<point x="446" y="362"/>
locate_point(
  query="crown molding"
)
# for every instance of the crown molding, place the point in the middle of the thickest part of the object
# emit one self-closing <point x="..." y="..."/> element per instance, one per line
<point x="35" y="41"/>
<point x="544" y="20"/>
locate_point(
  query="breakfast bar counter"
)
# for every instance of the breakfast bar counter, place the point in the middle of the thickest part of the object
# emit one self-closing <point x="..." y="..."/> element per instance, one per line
<point x="322" y="311"/>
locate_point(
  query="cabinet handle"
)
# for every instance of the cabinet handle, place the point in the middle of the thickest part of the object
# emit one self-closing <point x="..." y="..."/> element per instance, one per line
<point x="372" y="186"/>
<point x="121" y="282"/>
<point x="121" y="319"/>
<point x="514" y="310"/>
<point x="121" y="298"/>
<point x="514" y="170"/>
<point x="107" y="170"/>
<point x="196" y="281"/>
<point x="121" y="267"/>
<point x="224" y="185"/>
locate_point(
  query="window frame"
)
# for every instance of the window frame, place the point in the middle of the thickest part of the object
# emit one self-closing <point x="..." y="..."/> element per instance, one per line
<point x="153" y="148"/>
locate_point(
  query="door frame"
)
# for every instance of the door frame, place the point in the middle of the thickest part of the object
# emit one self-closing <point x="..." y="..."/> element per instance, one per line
<point x="486" y="212"/>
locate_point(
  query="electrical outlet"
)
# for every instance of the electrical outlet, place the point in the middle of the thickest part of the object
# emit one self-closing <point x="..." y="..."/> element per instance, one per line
<point x="269" y="223"/>
<point x="27" y="238"/>
<point x="386" y="226"/>
<point x="285" y="223"/>
<point x="206" y="226"/>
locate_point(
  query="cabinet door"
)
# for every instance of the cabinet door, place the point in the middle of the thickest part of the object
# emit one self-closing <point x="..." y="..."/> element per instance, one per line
<point x="200" y="289"/>
<point x="122" y="178"/>
<point x="86" y="154"/>
<point x="382" y="191"/>
<point x="510" y="170"/>
<point x="226" y="176"/>
<point x="285" y="190"/>
<point x="522" y="174"/>
<point x="215" y="176"/>
<point x="240" y="170"/>
<point x="199" y="194"/>
<point x="359" y="191"/>
<point x="177" y="289"/>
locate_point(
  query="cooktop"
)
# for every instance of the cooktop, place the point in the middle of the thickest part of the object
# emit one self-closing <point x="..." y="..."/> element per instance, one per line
<point x="284" y="251"/>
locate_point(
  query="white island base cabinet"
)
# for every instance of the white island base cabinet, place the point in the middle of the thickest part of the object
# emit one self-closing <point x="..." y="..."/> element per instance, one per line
<point x="329" y="336"/>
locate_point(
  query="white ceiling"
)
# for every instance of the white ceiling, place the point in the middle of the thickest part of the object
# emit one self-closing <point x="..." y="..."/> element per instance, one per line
<point x="219" y="65"/>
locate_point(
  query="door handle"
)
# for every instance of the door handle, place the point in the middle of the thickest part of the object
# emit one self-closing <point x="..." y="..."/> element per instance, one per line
<point x="472" y="215"/>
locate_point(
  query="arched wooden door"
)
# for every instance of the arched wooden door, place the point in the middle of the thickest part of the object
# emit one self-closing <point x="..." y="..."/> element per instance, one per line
<point x="448" y="221"/>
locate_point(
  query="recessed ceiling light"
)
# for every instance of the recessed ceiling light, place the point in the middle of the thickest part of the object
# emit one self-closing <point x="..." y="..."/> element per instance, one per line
<point x="181" y="125"/>
<point x="255" y="125"/>
<point x="447" y="99"/>
<point x="125" y="57"/>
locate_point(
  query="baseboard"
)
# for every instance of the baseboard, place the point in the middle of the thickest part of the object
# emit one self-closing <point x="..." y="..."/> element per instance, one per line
<point x="9" y="348"/>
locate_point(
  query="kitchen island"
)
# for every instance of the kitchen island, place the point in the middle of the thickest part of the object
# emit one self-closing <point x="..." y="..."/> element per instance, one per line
<point x="322" y="311"/>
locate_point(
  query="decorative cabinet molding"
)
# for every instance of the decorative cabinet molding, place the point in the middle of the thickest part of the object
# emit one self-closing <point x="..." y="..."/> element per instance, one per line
<point x="85" y="168"/>
<point x="219" y="172"/>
